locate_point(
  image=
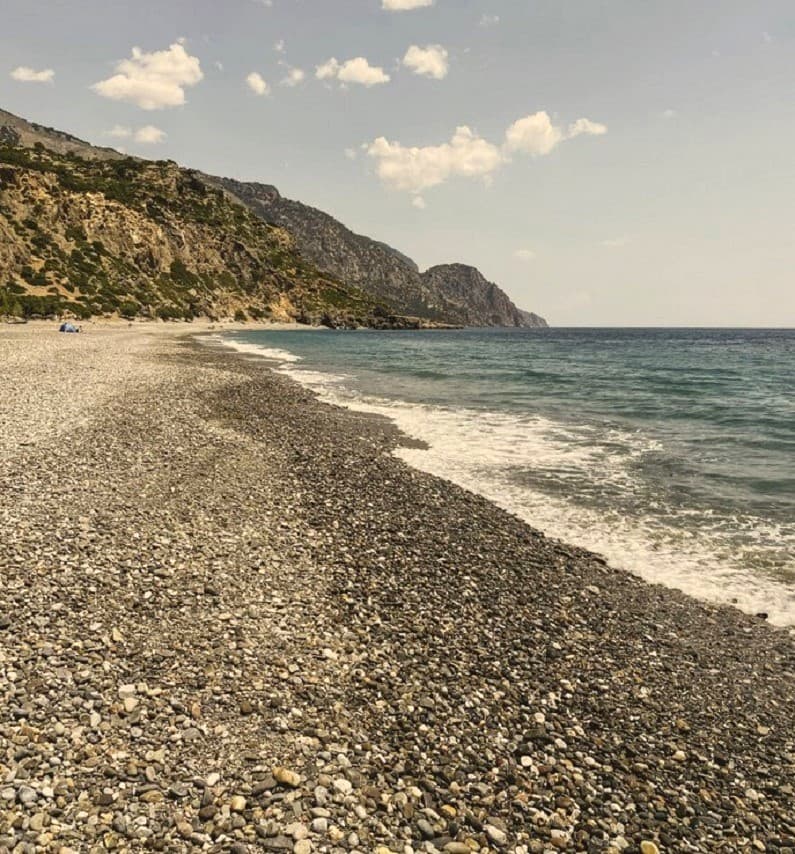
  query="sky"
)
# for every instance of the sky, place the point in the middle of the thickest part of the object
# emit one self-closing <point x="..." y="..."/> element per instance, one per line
<point x="606" y="162"/>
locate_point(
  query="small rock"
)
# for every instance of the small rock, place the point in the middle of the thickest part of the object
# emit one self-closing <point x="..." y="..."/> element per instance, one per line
<point x="286" y="777"/>
<point x="343" y="786"/>
<point x="497" y="836"/>
<point x="237" y="803"/>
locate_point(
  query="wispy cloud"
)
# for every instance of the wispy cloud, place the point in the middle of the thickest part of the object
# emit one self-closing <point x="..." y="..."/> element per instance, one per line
<point x="149" y="135"/>
<point x="524" y="254"/>
<point x="405" y="5"/>
<point x="616" y="242"/>
<point x="24" y="74"/>
<point x="146" y="135"/>
<point x="294" y="77"/>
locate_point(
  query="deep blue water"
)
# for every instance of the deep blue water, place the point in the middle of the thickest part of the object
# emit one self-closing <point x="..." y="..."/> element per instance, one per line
<point x="670" y="451"/>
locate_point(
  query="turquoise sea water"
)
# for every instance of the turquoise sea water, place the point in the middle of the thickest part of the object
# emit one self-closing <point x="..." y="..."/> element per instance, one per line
<point x="671" y="452"/>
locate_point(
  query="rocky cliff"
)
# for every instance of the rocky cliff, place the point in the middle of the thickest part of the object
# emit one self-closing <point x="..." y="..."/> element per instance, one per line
<point x="452" y="292"/>
<point x="475" y="300"/>
<point x="131" y="237"/>
<point x="372" y="266"/>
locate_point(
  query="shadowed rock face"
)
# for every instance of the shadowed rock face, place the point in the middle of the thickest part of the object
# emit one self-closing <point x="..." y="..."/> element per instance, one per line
<point x="477" y="300"/>
<point x="453" y="293"/>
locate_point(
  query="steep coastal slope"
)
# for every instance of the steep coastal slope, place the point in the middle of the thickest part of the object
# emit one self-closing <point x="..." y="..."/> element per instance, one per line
<point x="89" y="230"/>
<point x="451" y="292"/>
<point x="132" y="237"/>
<point x="477" y="301"/>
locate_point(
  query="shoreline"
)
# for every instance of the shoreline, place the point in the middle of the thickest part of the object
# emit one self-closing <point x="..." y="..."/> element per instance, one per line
<point x="759" y="597"/>
<point x="239" y="623"/>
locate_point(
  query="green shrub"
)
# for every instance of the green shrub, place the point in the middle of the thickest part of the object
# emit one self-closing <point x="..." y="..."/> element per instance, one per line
<point x="128" y="308"/>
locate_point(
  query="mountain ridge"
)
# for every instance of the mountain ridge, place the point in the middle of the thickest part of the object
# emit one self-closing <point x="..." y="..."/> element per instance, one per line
<point x="385" y="286"/>
<point x="381" y="270"/>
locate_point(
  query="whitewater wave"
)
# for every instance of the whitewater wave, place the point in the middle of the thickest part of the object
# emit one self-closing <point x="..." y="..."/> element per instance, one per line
<point x="272" y="354"/>
<point x="506" y="457"/>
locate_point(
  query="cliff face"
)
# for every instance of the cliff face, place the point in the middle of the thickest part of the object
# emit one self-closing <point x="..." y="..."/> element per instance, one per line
<point x="453" y="293"/>
<point x="131" y="237"/>
<point x="367" y="264"/>
<point x="477" y="301"/>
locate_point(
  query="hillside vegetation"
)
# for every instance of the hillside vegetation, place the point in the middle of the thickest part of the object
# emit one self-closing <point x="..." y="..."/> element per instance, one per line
<point x="138" y="238"/>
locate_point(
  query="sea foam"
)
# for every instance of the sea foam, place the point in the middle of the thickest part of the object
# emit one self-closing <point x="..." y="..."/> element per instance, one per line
<point x="506" y="456"/>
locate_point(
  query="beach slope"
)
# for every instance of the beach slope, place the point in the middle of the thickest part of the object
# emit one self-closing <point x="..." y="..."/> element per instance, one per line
<point x="230" y="620"/>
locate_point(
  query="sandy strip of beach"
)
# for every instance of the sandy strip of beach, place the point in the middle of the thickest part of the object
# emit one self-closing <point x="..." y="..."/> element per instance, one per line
<point x="232" y="621"/>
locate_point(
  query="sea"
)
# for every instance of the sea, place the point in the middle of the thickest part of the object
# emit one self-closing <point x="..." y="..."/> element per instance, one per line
<point x="671" y="452"/>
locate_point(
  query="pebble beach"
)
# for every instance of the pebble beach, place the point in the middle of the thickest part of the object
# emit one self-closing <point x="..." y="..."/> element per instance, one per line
<point x="232" y="621"/>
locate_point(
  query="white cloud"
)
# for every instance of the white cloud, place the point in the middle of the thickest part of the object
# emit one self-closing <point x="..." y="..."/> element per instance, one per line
<point x="489" y="20"/>
<point x="524" y="254"/>
<point x="419" y="203"/>
<point x="294" y="77"/>
<point x="257" y="84"/>
<point x="417" y="169"/>
<point x="218" y="65"/>
<point x="586" y="126"/>
<point x="534" y="135"/>
<point x="404" y="5"/>
<point x="23" y="74"/>
<point x="414" y="169"/>
<point x="616" y="242"/>
<point x="328" y="70"/>
<point x="149" y="135"/>
<point x="153" y="81"/>
<point x="279" y="46"/>
<point x="351" y="153"/>
<point x="356" y="70"/>
<point x="430" y="61"/>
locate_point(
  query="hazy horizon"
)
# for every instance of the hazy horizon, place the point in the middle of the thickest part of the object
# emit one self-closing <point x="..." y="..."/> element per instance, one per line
<point x="606" y="165"/>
